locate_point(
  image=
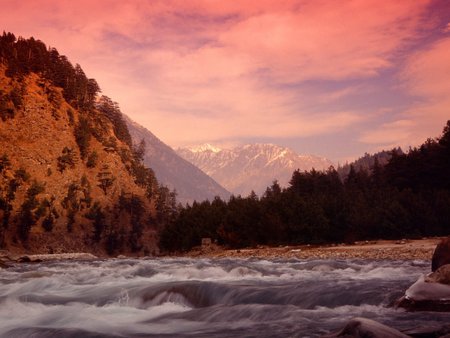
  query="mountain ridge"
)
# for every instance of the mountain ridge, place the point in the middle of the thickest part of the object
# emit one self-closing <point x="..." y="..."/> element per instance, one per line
<point x="251" y="167"/>
<point x="189" y="182"/>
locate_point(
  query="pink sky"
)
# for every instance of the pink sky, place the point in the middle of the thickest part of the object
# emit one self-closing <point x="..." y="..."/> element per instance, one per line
<point x="333" y="78"/>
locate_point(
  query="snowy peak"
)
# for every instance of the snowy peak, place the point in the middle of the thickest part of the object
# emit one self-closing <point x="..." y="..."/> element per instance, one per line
<point x="205" y="148"/>
<point x="251" y="166"/>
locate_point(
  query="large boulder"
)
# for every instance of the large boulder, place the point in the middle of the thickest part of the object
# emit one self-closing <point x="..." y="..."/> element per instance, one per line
<point x="441" y="275"/>
<point x="429" y="293"/>
<point x="364" y="328"/>
<point x="441" y="255"/>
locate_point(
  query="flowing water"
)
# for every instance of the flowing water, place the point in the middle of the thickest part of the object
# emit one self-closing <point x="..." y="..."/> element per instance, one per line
<point x="204" y="298"/>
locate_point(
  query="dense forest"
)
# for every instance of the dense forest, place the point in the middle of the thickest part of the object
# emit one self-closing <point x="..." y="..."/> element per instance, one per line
<point x="407" y="197"/>
<point x="113" y="209"/>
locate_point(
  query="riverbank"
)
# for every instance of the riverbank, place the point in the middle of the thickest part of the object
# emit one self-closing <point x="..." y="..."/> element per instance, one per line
<point x="420" y="249"/>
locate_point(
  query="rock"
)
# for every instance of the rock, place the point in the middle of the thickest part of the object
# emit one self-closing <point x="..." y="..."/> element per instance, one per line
<point x="363" y="327"/>
<point x="56" y="257"/>
<point x="441" y="255"/>
<point x="24" y="259"/>
<point x="441" y="275"/>
<point x="429" y="332"/>
<point x="431" y="292"/>
<point x="426" y="296"/>
<point x="3" y="265"/>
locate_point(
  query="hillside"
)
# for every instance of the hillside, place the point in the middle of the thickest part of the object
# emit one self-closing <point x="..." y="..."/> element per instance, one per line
<point x="189" y="182"/>
<point x="368" y="161"/>
<point x="70" y="179"/>
<point x="252" y="167"/>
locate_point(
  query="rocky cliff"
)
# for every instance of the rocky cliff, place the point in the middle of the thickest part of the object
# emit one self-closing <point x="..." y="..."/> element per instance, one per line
<point x="70" y="179"/>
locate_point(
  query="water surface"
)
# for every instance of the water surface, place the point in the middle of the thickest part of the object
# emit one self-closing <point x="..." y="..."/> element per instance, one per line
<point x="204" y="298"/>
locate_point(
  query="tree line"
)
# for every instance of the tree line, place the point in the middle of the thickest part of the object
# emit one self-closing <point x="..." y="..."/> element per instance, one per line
<point x="23" y="56"/>
<point x="407" y="197"/>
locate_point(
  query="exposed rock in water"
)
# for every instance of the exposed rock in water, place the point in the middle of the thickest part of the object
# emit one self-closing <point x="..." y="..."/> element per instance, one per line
<point x="431" y="292"/>
<point x="426" y="296"/>
<point x="441" y="255"/>
<point x="429" y="332"/>
<point x="54" y="257"/>
<point x="363" y="327"/>
<point x="441" y="275"/>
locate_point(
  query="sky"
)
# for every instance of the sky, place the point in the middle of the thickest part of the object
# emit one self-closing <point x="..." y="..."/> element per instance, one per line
<point x="333" y="78"/>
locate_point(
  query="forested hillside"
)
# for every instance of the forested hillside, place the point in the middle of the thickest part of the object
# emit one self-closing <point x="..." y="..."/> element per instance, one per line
<point x="70" y="177"/>
<point x="408" y="197"/>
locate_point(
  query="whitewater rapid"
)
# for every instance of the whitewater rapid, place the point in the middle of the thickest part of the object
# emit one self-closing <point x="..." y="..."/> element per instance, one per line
<point x="204" y="298"/>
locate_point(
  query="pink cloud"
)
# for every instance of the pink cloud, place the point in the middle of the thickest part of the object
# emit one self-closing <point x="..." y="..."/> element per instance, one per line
<point x="323" y="40"/>
<point x="426" y="76"/>
<point x="180" y="67"/>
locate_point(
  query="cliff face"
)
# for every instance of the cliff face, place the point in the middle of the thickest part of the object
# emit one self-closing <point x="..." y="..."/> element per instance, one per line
<point x="67" y="181"/>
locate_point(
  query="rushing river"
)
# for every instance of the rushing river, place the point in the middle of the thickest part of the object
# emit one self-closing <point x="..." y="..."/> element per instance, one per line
<point x="204" y="298"/>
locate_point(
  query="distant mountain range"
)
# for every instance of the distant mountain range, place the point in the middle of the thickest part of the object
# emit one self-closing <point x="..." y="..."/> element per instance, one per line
<point x="173" y="171"/>
<point x="251" y="167"/>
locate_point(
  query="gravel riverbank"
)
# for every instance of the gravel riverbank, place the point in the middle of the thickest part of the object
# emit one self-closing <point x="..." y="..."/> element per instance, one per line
<point x="421" y="249"/>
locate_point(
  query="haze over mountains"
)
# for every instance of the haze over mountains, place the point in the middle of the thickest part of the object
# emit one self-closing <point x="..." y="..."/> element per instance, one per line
<point x="173" y="171"/>
<point x="251" y="167"/>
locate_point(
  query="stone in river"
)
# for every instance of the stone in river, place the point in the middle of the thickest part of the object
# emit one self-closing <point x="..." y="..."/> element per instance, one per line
<point x="431" y="292"/>
<point x="441" y="255"/>
<point x="363" y="327"/>
<point x="426" y="296"/>
<point x="441" y="275"/>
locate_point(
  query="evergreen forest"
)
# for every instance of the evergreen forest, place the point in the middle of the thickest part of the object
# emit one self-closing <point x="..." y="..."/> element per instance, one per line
<point x="406" y="197"/>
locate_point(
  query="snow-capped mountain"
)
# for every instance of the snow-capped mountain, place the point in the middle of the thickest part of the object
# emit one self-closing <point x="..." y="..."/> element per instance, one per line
<point x="252" y="166"/>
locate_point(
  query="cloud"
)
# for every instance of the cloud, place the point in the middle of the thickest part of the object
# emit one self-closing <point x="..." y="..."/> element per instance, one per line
<point x="427" y="73"/>
<point x="217" y="70"/>
<point x="426" y="77"/>
<point x="447" y="28"/>
<point x="390" y="134"/>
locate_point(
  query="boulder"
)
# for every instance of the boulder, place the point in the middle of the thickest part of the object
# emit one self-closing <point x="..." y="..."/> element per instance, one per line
<point x="441" y="255"/>
<point x="431" y="292"/>
<point x="441" y="275"/>
<point x="363" y="327"/>
<point x="426" y="295"/>
<point x="429" y="332"/>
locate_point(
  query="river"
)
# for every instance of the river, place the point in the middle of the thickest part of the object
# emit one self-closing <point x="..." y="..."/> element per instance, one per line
<point x="204" y="298"/>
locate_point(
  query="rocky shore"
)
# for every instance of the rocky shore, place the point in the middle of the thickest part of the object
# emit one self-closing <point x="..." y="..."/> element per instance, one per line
<point x="421" y="249"/>
<point x="7" y="258"/>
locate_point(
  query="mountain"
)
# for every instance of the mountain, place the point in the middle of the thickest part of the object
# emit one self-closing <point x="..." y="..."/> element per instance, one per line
<point x="367" y="161"/>
<point x="189" y="182"/>
<point x="70" y="178"/>
<point x="252" y="166"/>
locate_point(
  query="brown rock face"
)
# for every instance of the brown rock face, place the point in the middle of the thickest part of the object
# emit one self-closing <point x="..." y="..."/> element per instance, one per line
<point x="441" y="255"/>
<point x="441" y="275"/>
<point x="68" y="183"/>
